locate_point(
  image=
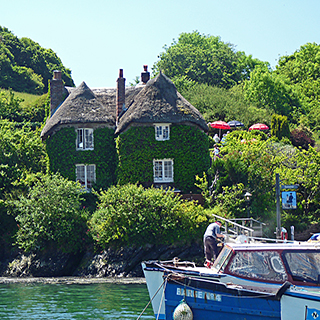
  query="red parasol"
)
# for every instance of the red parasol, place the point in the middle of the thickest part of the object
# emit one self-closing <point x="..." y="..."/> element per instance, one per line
<point x="219" y="125"/>
<point x="259" y="126"/>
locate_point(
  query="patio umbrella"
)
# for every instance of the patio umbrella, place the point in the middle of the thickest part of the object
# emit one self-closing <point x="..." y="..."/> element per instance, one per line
<point x="259" y="126"/>
<point x="235" y="124"/>
<point x="219" y="125"/>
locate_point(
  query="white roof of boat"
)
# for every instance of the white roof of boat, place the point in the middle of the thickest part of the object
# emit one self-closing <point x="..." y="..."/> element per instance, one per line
<point x="296" y="245"/>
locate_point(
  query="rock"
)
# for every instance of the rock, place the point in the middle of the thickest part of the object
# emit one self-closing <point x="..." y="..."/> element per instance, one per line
<point x="122" y="262"/>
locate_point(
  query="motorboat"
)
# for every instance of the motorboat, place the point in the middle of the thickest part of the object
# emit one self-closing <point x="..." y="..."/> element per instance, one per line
<point x="257" y="269"/>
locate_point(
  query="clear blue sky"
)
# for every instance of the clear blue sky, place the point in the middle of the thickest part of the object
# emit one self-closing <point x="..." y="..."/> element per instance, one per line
<point x="96" y="38"/>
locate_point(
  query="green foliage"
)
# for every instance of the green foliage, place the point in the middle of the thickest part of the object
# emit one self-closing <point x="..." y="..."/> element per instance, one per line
<point x="13" y="108"/>
<point x="249" y="159"/>
<point x="280" y="126"/>
<point x="26" y="66"/>
<point x="63" y="156"/>
<point x="203" y="184"/>
<point x="219" y="103"/>
<point x="204" y="59"/>
<point x="301" y="70"/>
<point x="271" y="91"/>
<point x="131" y="214"/>
<point x="231" y="201"/>
<point x="50" y="216"/>
<point x="302" y="168"/>
<point x="21" y="153"/>
<point x="188" y="147"/>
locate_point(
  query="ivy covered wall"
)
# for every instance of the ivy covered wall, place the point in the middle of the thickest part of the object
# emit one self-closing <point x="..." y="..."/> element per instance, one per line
<point x="188" y="147"/>
<point x="63" y="156"/>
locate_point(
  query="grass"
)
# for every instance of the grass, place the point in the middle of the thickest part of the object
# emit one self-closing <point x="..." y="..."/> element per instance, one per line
<point x="28" y="99"/>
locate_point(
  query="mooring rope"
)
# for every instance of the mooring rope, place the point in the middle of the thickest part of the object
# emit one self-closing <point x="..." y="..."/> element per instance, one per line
<point x="164" y="289"/>
<point x="164" y="281"/>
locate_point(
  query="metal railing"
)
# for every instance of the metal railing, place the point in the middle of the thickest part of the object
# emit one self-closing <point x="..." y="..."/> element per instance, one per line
<point x="231" y="227"/>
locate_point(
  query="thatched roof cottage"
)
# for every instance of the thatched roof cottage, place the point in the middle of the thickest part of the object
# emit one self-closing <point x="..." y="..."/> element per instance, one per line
<point x="153" y="109"/>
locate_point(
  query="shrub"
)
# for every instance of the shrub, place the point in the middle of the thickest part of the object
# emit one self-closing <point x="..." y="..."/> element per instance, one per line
<point x="300" y="138"/>
<point x="50" y="216"/>
<point x="131" y="214"/>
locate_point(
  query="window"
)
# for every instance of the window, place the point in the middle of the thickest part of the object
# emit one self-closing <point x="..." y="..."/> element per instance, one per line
<point x="163" y="170"/>
<point x="86" y="175"/>
<point x="260" y="265"/>
<point x="162" y="131"/>
<point x="84" y="139"/>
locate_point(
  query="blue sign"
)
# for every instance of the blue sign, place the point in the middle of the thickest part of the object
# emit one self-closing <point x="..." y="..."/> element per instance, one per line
<point x="312" y="314"/>
<point x="289" y="200"/>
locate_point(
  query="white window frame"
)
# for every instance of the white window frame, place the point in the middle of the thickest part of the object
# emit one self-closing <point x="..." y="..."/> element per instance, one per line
<point x="84" y="177"/>
<point x="160" y="170"/>
<point x="162" y="131"/>
<point x="84" y="139"/>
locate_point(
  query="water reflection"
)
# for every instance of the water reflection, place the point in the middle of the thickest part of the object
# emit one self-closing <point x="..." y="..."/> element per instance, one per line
<point x="63" y="301"/>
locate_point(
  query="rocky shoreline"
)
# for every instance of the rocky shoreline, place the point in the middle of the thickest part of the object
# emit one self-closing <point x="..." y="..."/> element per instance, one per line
<point x="89" y="266"/>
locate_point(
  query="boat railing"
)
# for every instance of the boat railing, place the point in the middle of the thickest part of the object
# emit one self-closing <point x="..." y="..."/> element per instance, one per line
<point x="233" y="228"/>
<point x="253" y="224"/>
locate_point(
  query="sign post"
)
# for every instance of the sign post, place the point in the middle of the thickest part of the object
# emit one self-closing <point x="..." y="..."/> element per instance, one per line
<point x="278" y="233"/>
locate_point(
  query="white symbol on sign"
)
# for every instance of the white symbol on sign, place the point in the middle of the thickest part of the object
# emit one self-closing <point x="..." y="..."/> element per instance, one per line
<point x="315" y="315"/>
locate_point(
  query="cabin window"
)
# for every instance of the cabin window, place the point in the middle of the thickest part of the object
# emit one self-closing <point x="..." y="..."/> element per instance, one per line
<point x="260" y="265"/>
<point x="304" y="266"/>
<point x="223" y="259"/>
<point x="162" y="131"/>
<point x="86" y="175"/>
<point x="163" y="170"/>
<point x="84" y="139"/>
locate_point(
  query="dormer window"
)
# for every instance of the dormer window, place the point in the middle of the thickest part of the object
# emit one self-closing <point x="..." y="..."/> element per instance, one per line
<point x="162" y="131"/>
<point x="84" y="139"/>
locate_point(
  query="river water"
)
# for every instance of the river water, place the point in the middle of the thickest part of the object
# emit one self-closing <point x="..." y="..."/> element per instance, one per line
<point x="65" y="300"/>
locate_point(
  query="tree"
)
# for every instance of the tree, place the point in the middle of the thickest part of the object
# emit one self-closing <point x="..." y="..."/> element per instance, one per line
<point x="224" y="104"/>
<point x="280" y="126"/>
<point x="130" y="214"/>
<point x="301" y="70"/>
<point x="26" y="66"/>
<point x="50" y="216"/>
<point x="204" y="59"/>
<point x="268" y="90"/>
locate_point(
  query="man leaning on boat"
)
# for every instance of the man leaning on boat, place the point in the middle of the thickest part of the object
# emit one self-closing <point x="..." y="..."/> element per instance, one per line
<point x="210" y="242"/>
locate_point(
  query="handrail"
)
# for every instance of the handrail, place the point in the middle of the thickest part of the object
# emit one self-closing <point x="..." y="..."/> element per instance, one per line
<point x="250" y="230"/>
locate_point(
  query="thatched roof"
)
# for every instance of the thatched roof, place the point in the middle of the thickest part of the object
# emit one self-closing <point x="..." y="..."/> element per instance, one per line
<point x="84" y="105"/>
<point x="156" y="102"/>
<point x="160" y="102"/>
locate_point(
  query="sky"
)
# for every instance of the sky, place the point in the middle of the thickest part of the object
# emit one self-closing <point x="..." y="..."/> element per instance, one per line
<point x="97" y="38"/>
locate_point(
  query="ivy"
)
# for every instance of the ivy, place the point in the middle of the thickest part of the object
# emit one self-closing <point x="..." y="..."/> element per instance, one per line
<point x="63" y="156"/>
<point x="188" y="147"/>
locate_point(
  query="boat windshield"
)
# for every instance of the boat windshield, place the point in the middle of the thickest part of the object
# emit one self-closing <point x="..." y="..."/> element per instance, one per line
<point x="223" y="259"/>
<point x="260" y="265"/>
<point x="304" y="266"/>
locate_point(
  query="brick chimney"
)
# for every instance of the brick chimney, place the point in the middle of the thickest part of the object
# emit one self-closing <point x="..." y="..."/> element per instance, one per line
<point x="120" y="96"/>
<point x="145" y="75"/>
<point x="56" y="91"/>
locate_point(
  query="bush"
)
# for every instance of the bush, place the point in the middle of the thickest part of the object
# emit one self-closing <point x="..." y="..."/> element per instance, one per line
<point x="131" y="214"/>
<point x="300" y="138"/>
<point x="50" y="216"/>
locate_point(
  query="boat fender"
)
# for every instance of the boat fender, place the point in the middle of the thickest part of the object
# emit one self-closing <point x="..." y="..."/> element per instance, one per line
<point x="282" y="290"/>
<point x="182" y="312"/>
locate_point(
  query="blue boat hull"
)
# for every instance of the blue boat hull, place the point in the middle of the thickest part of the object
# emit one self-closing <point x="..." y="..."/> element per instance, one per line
<point x="209" y="300"/>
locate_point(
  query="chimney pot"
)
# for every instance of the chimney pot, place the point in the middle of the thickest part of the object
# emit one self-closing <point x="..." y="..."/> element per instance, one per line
<point x="120" y="73"/>
<point x="57" y="75"/>
<point x="145" y="75"/>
